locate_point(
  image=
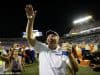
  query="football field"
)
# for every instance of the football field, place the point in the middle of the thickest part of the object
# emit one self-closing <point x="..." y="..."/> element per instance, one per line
<point x="32" y="69"/>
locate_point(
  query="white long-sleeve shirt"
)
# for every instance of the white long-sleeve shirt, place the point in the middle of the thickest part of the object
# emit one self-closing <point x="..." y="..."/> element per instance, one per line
<point x="50" y="61"/>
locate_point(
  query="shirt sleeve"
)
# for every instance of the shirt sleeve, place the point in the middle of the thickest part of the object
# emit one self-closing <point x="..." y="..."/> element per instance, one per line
<point x="39" y="46"/>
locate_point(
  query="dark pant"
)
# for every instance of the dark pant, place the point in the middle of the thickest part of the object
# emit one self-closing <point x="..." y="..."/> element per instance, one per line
<point x="32" y="56"/>
<point x="16" y="72"/>
<point x="27" y="60"/>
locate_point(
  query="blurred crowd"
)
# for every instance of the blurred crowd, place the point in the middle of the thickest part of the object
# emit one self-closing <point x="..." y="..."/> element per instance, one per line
<point x="18" y="55"/>
<point x="21" y="54"/>
<point x="89" y="52"/>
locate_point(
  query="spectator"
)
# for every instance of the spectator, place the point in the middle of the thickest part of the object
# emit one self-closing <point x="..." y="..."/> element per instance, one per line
<point x="3" y="58"/>
<point x="32" y="55"/>
<point x="16" y="64"/>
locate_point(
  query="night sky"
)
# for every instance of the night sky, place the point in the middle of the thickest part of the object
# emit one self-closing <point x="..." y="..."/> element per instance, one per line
<point x="56" y="15"/>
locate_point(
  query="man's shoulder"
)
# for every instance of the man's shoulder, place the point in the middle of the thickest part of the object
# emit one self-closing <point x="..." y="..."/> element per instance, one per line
<point x="39" y="42"/>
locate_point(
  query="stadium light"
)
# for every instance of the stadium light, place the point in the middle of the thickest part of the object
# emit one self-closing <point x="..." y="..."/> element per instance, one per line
<point x="89" y="30"/>
<point x="82" y="19"/>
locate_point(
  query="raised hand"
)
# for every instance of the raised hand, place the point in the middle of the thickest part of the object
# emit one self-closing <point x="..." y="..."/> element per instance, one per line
<point x="30" y="12"/>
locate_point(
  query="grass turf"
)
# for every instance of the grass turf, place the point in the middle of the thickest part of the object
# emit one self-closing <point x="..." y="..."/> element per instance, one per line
<point x="32" y="69"/>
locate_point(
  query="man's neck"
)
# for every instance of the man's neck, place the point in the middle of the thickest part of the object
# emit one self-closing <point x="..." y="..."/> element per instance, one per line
<point x="52" y="46"/>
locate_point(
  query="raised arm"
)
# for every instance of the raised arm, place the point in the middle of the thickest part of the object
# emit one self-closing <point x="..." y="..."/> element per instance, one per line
<point x="30" y="13"/>
<point x="73" y="66"/>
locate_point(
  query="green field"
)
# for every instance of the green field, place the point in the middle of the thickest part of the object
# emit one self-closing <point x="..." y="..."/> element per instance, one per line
<point x="32" y="69"/>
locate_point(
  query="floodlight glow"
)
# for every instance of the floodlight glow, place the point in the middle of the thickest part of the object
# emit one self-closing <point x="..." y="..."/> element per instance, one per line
<point x="89" y="30"/>
<point x="82" y="19"/>
<point x="36" y="34"/>
<point x="35" y="30"/>
<point x="73" y="34"/>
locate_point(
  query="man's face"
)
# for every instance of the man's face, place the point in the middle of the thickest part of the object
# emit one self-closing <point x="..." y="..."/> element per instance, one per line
<point x="52" y="39"/>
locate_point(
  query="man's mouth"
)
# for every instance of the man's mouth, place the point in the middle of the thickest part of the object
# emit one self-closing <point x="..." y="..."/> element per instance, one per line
<point x="51" y="40"/>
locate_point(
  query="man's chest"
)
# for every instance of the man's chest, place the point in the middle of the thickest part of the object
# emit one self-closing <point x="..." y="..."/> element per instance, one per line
<point x="53" y="59"/>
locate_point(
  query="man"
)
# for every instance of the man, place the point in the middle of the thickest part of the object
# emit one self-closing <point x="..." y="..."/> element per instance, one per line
<point x="50" y="55"/>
